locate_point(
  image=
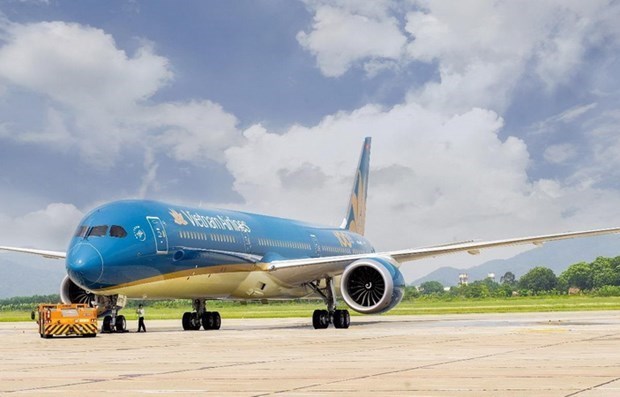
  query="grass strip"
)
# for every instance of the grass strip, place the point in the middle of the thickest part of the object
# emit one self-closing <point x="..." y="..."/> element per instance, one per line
<point x="414" y="307"/>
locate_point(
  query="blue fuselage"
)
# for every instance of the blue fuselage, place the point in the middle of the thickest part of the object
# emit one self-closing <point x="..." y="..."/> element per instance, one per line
<point x="135" y="246"/>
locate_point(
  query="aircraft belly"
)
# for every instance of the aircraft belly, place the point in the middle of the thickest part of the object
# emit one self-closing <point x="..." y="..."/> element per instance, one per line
<point x="235" y="285"/>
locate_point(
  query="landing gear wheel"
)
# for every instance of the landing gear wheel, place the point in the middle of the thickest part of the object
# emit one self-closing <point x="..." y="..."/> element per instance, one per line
<point x="342" y="319"/>
<point x="201" y="317"/>
<point x="107" y="324"/>
<point x="320" y="319"/>
<point x="211" y="320"/>
<point x="121" y="324"/>
<point x="187" y="321"/>
<point x="217" y="320"/>
<point x="195" y="321"/>
<point x="207" y="320"/>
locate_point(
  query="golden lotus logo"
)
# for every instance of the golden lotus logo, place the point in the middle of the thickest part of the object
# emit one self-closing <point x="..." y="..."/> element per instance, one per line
<point x="178" y="218"/>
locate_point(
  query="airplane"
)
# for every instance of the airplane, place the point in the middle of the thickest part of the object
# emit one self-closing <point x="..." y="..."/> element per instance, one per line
<point x="143" y="249"/>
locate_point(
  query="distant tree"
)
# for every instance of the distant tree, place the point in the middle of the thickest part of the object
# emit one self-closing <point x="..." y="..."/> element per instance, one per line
<point x="603" y="272"/>
<point x="411" y="292"/>
<point x="491" y="285"/>
<point x="578" y="275"/>
<point x="538" y="279"/>
<point x="508" y="278"/>
<point x="477" y="289"/>
<point x="431" y="287"/>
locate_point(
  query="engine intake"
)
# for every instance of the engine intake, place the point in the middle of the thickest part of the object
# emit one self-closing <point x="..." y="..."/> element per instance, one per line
<point x="371" y="286"/>
<point x="70" y="292"/>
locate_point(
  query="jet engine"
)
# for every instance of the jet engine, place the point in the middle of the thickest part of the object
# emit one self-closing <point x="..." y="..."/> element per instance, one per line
<point x="372" y="285"/>
<point x="70" y="292"/>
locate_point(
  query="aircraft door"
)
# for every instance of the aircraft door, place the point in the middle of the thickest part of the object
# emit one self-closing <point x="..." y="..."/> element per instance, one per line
<point x="247" y="243"/>
<point x="316" y="247"/>
<point x="159" y="232"/>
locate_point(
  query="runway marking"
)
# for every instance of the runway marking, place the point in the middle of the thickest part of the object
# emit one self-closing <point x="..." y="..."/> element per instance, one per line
<point x="426" y="366"/>
<point x="592" y="387"/>
<point x="290" y="358"/>
<point x="238" y="364"/>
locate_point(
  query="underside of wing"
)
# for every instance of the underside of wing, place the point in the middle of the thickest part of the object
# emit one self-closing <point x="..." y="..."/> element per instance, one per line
<point x="476" y="246"/>
<point x="43" y="253"/>
<point x="296" y="271"/>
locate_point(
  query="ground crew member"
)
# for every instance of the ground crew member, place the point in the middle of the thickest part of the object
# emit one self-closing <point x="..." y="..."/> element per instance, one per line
<point x="140" y="313"/>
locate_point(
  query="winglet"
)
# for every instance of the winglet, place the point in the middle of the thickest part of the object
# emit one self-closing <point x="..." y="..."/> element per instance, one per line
<point x="355" y="218"/>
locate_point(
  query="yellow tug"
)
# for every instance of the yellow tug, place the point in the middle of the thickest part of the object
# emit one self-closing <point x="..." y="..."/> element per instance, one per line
<point x="61" y="319"/>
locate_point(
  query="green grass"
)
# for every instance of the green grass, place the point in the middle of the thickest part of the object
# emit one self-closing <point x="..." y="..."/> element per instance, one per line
<point x="423" y="306"/>
<point x="508" y="305"/>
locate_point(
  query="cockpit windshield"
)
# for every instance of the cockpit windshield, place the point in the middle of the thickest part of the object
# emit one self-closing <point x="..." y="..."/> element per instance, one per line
<point x="81" y="231"/>
<point x="100" y="231"/>
<point x="97" y="231"/>
<point x="117" y="231"/>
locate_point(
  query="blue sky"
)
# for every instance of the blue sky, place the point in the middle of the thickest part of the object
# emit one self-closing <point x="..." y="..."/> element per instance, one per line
<point x="489" y="119"/>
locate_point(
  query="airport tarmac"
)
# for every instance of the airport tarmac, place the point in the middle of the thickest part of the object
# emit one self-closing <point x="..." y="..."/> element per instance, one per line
<point x="530" y="354"/>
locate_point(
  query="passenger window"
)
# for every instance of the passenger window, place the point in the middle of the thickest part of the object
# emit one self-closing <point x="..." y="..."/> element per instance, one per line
<point x="97" y="231"/>
<point x="117" y="231"/>
<point x="81" y="231"/>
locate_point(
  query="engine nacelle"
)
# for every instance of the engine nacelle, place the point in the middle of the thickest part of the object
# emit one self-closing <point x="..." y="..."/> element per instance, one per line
<point x="373" y="285"/>
<point x="70" y="292"/>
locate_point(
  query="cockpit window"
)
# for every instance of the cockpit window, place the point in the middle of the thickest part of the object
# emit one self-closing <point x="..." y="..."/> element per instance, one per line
<point x="117" y="231"/>
<point x="81" y="231"/>
<point x="97" y="231"/>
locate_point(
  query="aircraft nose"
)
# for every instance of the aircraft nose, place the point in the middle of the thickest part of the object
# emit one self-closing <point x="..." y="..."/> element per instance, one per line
<point x="84" y="265"/>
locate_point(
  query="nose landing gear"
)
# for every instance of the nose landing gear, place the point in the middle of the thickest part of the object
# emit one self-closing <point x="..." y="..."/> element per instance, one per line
<point x="113" y="322"/>
<point x="116" y="323"/>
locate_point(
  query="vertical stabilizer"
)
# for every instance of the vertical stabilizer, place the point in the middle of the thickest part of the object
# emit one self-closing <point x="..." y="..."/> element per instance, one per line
<point x="355" y="218"/>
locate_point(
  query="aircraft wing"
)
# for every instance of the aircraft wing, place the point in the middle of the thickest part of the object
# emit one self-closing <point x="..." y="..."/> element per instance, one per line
<point x="301" y="270"/>
<point x="43" y="253"/>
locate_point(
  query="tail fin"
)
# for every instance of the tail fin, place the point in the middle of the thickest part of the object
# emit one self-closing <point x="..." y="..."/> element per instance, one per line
<point x="355" y="218"/>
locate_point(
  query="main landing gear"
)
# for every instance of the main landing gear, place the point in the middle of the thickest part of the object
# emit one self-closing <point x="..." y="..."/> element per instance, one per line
<point x="322" y="318"/>
<point x="201" y="317"/>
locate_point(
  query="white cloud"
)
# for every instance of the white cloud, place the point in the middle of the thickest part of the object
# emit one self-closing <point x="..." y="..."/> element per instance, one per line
<point x="48" y="228"/>
<point x="566" y="117"/>
<point x="559" y="154"/>
<point x="98" y="97"/>
<point x="347" y="32"/>
<point x="80" y="66"/>
<point x="441" y="177"/>
<point x="483" y="49"/>
<point x="190" y="131"/>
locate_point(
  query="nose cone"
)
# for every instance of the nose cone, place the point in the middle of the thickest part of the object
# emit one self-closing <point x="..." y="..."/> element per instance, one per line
<point x="84" y="265"/>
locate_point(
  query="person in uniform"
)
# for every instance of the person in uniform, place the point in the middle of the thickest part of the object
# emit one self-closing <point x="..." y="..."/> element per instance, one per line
<point x="140" y="313"/>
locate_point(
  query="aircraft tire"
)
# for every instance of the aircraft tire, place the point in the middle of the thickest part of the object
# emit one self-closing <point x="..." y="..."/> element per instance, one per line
<point x="217" y="320"/>
<point x="195" y="321"/>
<point x="342" y="319"/>
<point x="121" y="324"/>
<point x="207" y="320"/>
<point x="320" y="319"/>
<point x="211" y="320"/>
<point x="187" y="321"/>
<point x="107" y="324"/>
